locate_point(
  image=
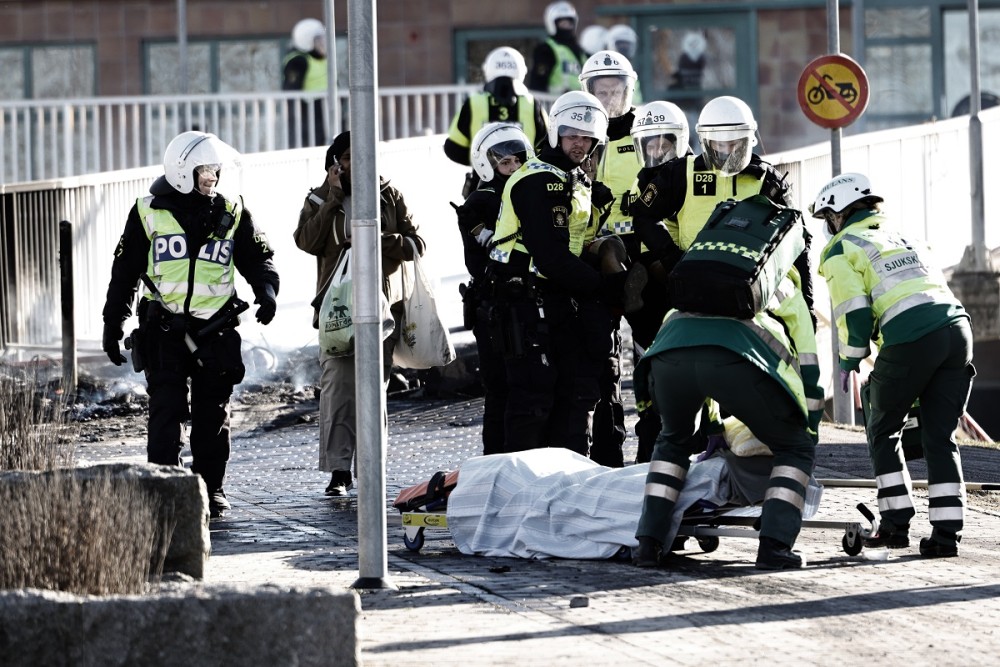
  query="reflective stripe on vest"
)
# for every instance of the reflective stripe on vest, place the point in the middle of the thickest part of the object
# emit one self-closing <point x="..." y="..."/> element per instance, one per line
<point x="902" y="279"/>
<point x="705" y="189"/>
<point x="565" y="75"/>
<point x="479" y="114"/>
<point x="618" y="170"/>
<point x="210" y="284"/>
<point x="508" y="232"/>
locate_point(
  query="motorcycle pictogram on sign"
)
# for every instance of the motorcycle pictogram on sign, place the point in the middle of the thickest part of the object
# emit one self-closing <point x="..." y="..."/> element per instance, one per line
<point x="833" y="91"/>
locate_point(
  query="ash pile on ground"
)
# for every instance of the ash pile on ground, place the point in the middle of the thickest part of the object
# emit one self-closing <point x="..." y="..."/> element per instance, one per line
<point x="280" y="389"/>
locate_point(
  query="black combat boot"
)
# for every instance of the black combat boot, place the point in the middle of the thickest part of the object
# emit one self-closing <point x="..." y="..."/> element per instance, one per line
<point x="647" y="554"/>
<point x="775" y="555"/>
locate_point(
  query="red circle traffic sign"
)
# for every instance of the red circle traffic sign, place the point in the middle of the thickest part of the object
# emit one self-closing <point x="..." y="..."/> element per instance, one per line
<point x="833" y="91"/>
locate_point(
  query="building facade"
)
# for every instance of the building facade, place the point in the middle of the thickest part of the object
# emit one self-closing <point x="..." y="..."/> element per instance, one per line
<point x="916" y="54"/>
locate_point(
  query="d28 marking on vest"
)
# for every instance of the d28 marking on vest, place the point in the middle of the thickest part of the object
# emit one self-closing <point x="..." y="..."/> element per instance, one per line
<point x="704" y="184"/>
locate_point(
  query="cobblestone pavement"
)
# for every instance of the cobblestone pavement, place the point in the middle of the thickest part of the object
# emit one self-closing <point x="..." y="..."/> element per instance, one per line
<point x="705" y="608"/>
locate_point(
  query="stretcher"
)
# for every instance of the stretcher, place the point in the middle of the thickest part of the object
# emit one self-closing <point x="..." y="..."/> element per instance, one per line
<point x="709" y="525"/>
<point x="424" y="506"/>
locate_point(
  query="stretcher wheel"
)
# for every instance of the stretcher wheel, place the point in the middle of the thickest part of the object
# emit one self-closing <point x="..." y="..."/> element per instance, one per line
<point x="852" y="544"/>
<point x="416" y="543"/>
<point x="708" y="544"/>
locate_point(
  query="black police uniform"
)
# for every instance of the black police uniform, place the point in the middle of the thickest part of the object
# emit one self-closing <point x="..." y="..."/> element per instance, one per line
<point x="555" y="331"/>
<point x="478" y="212"/>
<point x="169" y="363"/>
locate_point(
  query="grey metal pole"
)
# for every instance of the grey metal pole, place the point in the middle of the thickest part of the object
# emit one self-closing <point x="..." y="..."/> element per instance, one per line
<point x="182" y="59"/>
<point x="367" y="274"/>
<point x="69" y="366"/>
<point x="332" y="102"/>
<point x="980" y="261"/>
<point x="843" y="401"/>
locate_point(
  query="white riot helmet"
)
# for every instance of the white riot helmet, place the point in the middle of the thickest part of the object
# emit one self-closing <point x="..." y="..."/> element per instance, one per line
<point x="493" y="143"/>
<point x="305" y="33"/>
<point x="842" y="191"/>
<point x="609" y="77"/>
<point x="726" y="129"/>
<point x="189" y="150"/>
<point x="556" y="11"/>
<point x="623" y="39"/>
<point x="659" y="133"/>
<point x="593" y="38"/>
<point x="577" y="113"/>
<point x="504" y="61"/>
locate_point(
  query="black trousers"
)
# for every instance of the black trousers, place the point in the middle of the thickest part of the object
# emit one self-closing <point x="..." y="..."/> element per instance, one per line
<point x="170" y="368"/>
<point x="680" y="381"/>
<point x="553" y="385"/>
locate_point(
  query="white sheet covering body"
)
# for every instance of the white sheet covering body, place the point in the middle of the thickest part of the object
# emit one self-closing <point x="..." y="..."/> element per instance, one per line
<point x="553" y="503"/>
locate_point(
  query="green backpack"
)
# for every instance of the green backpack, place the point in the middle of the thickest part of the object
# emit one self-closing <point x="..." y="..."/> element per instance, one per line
<point x="737" y="260"/>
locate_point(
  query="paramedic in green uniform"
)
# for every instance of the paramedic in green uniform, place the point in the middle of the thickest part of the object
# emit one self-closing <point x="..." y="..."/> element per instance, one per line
<point x="883" y="288"/>
<point x="759" y="370"/>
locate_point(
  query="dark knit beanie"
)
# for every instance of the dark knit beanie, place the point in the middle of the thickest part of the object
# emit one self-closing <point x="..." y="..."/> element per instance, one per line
<point x="337" y="148"/>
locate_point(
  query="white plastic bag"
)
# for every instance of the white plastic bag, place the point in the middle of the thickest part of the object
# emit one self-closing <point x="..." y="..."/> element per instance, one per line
<point x="336" y="322"/>
<point x="336" y="327"/>
<point x="423" y="340"/>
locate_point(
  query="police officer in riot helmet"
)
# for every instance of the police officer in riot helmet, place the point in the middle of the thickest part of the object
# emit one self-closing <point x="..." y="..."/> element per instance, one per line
<point x="684" y="192"/>
<point x="556" y="61"/>
<point x="504" y="99"/>
<point x="550" y="317"/>
<point x="498" y="150"/>
<point x="184" y="241"/>
<point x="609" y="77"/>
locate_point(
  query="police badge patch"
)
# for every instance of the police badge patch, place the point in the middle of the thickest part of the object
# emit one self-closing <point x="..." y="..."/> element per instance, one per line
<point x="649" y="194"/>
<point x="560" y="216"/>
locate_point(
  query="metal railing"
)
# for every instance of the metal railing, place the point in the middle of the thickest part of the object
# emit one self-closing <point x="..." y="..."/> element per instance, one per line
<point x="46" y="139"/>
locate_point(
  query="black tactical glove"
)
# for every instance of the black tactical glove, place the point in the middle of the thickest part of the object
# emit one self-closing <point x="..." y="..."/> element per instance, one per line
<point x="600" y="195"/>
<point x="109" y="343"/>
<point x="268" y="304"/>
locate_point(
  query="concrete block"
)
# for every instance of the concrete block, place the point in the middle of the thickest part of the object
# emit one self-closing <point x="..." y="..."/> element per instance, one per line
<point x="183" y="500"/>
<point x="233" y="625"/>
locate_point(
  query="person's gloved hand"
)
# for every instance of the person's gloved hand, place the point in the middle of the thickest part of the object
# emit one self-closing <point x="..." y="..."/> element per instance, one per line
<point x="484" y="236"/>
<point x="268" y="304"/>
<point x="845" y="379"/>
<point x="109" y="343"/>
<point x="600" y="195"/>
<point x="713" y="444"/>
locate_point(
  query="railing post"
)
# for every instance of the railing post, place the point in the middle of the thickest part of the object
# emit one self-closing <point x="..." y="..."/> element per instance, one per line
<point x="69" y="369"/>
